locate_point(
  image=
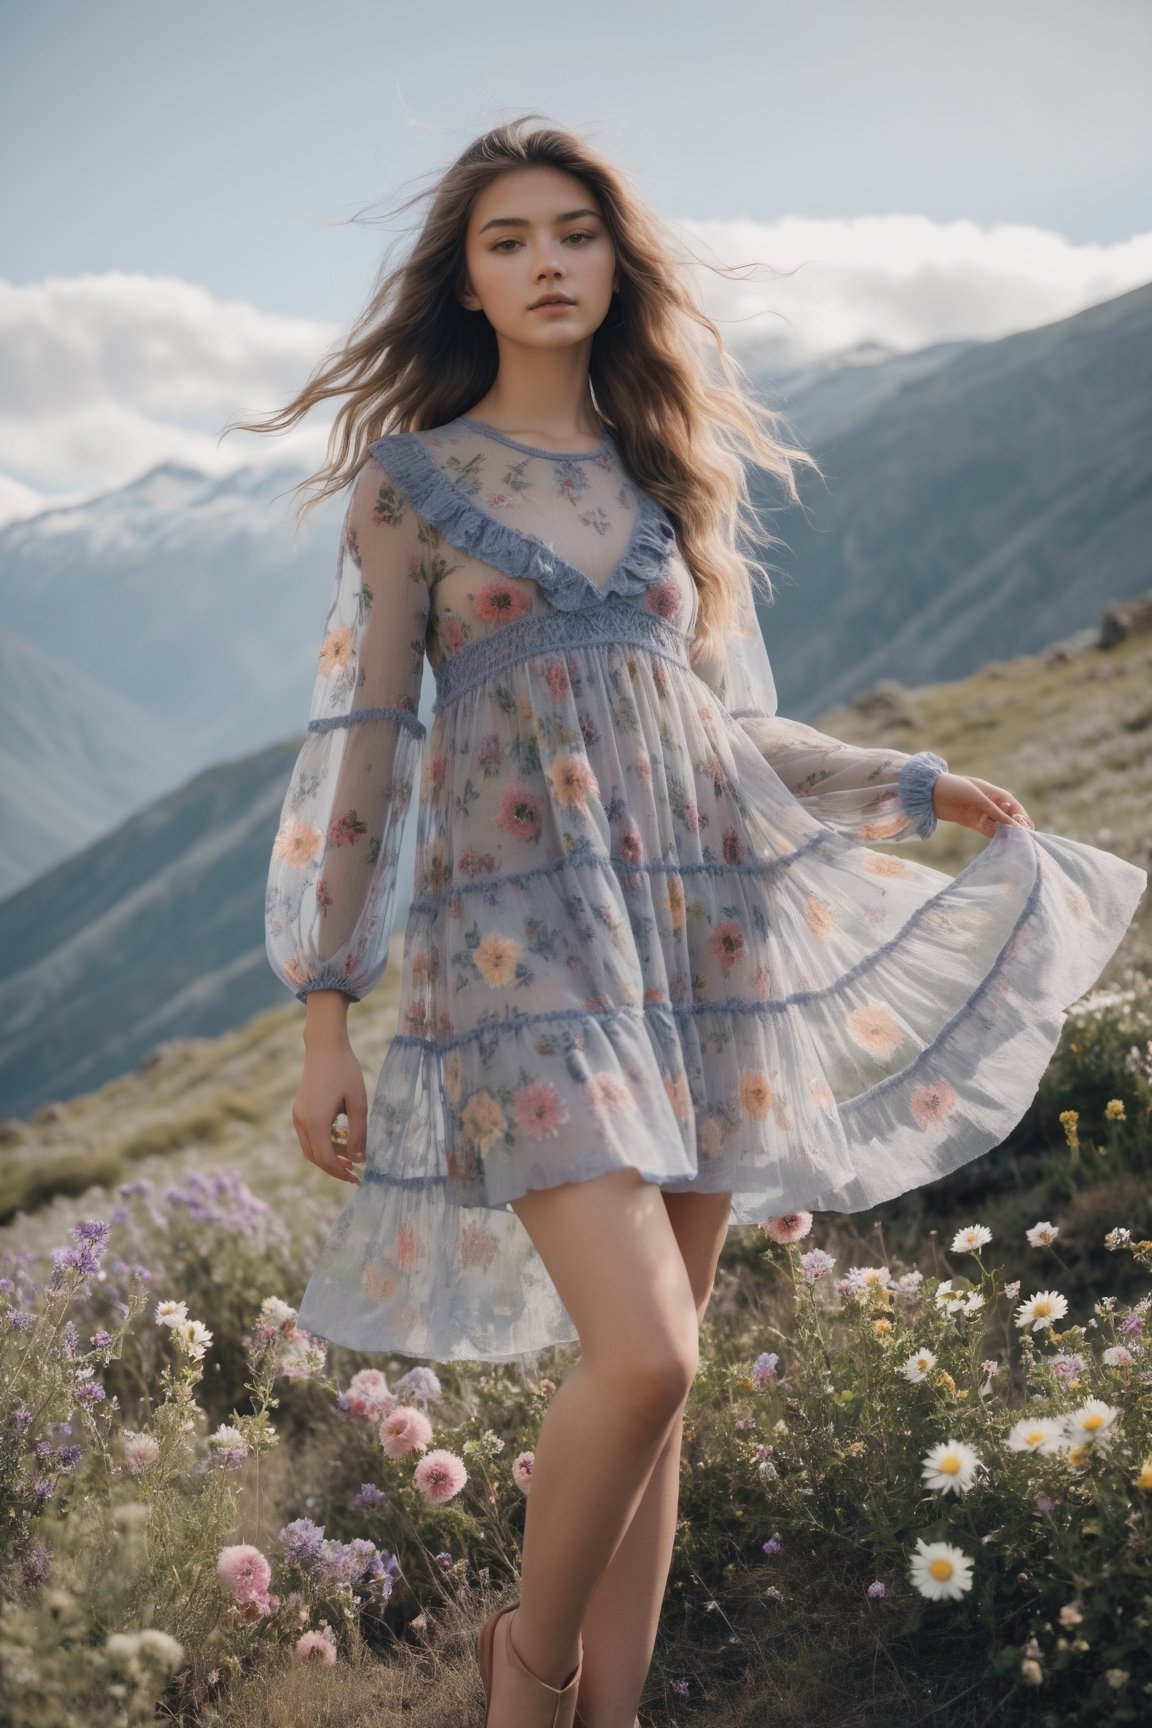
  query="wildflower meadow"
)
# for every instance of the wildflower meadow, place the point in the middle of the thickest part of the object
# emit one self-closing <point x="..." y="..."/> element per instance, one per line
<point x="916" y="1477"/>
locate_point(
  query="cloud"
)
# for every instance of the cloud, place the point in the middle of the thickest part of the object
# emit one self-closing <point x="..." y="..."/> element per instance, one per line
<point x="105" y="376"/>
<point x="903" y="282"/>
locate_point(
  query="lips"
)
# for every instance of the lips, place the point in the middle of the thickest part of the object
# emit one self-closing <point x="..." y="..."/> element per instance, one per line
<point x="552" y="300"/>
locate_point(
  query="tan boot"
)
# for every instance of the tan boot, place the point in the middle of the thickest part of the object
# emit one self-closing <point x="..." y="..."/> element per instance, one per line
<point x="524" y="1697"/>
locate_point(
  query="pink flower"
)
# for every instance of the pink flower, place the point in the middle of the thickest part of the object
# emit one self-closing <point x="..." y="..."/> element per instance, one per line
<point x="245" y="1572"/>
<point x="522" y="1471"/>
<point x="539" y="1109"/>
<point x="727" y="943"/>
<point x="367" y="1395"/>
<point x="499" y="602"/>
<point x="932" y="1103"/>
<point x="439" y="1475"/>
<point x="609" y="1092"/>
<point x="556" y="678"/>
<point x="790" y="1227"/>
<point x="316" y="1646"/>
<point x="519" y="813"/>
<point x="663" y="598"/>
<point x="404" y="1430"/>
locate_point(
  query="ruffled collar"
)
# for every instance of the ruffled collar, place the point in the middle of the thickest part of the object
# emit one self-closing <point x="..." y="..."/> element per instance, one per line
<point x="465" y="525"/>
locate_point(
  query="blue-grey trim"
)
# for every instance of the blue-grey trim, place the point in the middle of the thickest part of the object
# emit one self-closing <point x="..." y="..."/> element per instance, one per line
<point x="617" y="622"/>
<point x="914" y="789"/>
<point x="773" y="1005"/>
<point x="585" y="854"/>
<point x="534" y="449"/>
<point x="463" y="524"/>
<point x="328" y="978"/>
<point x="404" y="715"/>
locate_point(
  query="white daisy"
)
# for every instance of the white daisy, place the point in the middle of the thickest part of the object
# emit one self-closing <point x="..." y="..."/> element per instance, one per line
<point x="940" y="1571"/>
<point x="1042" y="1235"/>
<point x="918" y="1364"/>
<point x="1036" y="1434"/>
<point x="193" y="1338"/>
<point x="1093" y="1421"/>
<point x="171" y="1313"/>
<point x="954" y="1301"/>
<point x="973" y="1236"/>
<point x="1042" y="1309"/>
<point x="951" y="1465"/>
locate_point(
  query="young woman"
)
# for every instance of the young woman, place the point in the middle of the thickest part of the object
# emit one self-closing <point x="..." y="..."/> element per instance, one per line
<point x="656" y="980"/>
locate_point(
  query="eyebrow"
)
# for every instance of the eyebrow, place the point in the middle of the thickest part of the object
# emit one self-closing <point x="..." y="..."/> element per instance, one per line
<point x="522" y="221"/>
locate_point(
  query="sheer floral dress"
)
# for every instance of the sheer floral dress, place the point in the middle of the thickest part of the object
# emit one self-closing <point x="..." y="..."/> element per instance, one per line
<point x="648" y="924"/>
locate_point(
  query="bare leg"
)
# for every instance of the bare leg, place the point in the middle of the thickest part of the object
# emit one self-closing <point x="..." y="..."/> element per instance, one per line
<point x="620" y="1626"/>
<point x="610" y="1249"/>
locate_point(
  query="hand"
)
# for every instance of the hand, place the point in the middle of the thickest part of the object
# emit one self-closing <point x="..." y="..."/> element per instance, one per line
<point x="976" y="803"/>
<point x="332" y="1082"/>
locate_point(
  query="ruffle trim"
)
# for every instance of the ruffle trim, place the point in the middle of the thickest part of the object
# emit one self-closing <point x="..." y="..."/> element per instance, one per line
<point x="914" y="789"/>
<point x="464" y="525"/>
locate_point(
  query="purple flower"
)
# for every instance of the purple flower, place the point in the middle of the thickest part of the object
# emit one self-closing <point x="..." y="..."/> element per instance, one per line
<point x="221" y="1198"/>
<point x="1043" y="1504"/>
<point x="91" y="1233"/>
<point x="772" y="1546"/>
<point x="302" y="1539"/>
<point x="764" y="1368"/>
<point x="444" y="1559"/>
<point x="420" y="1383"/>
<point x="369" y="1495"/>
<point x="878" y="1589"/>
<point x="35" y="1568"/>
<point x="1132" y="1323"/>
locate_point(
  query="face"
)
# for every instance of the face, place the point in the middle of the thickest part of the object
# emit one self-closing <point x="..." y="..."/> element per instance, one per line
<point x="534" y="232"/>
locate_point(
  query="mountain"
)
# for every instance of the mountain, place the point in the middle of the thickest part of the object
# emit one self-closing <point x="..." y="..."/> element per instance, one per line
<point x="74" y="757"/>
<point x="183" y="592"/>
<point x="994" y="500"/>
<point x="155" y="933"/>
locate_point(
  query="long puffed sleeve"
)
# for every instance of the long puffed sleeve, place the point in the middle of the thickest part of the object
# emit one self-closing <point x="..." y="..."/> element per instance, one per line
<point x="866" y="794"/>
<point x="332" y="879"/>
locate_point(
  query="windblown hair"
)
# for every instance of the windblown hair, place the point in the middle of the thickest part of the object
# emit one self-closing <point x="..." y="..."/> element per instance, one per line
<point x="416" y="359"/>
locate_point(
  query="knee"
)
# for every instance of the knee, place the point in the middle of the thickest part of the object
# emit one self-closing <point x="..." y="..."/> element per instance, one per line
<point x="654" y="1380"/>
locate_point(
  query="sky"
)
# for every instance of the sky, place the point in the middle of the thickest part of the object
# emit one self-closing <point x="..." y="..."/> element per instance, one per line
<point x="193" y="199"/>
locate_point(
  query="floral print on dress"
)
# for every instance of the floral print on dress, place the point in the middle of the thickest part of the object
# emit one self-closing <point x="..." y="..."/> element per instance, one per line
<point x="649" y="927"/>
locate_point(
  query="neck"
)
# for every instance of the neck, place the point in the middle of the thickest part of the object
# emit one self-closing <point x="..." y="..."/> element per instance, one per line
<point x="541" y="397"/>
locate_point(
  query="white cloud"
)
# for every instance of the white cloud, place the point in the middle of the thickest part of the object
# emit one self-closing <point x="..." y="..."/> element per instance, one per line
<point x="106" y="376"/>
<point x="904" y="282"/>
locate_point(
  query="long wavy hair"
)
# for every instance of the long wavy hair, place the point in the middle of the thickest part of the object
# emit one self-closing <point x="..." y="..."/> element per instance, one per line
<point x="416" y="359"/>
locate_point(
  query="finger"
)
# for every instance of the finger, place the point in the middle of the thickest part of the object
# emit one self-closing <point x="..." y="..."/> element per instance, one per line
<point x="335" y="1158"/>
<point x="316" y="1143"/>
<point x="357" y="1128"/>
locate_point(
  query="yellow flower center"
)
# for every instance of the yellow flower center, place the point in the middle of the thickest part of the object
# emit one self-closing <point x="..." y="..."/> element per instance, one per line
<point x="940" y="1568"/>
<point x="1043" y="1307"/>
<point x="1034" y="1436"/>
<point x="1094" y="1421"/>
<point x="950" y="1464"/>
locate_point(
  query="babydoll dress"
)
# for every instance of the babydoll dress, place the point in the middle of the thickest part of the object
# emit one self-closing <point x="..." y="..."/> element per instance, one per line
<point x="649" y="925"/>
